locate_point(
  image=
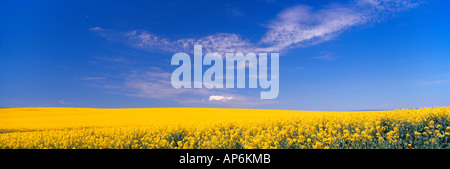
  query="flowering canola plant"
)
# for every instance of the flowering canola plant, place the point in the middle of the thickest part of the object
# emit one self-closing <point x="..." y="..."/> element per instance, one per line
<point x="205" y="128"/>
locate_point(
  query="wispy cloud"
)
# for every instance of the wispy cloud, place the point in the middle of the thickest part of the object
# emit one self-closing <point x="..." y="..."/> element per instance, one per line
<point x="303" y="25"/>
<point x="155" y="84"/>
<point x="296" y="26"/>
<point x="221" y="43"/>
<point x="93" y="78"/>
<point x="325" y="55"/>
<point x="96" y="29"/>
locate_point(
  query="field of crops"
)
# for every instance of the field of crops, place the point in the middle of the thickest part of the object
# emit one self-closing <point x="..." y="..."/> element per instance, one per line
<point x="205" y="128"/>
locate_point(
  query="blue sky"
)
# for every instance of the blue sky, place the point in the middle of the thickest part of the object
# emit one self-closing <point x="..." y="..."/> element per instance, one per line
<point x="334" y="55"/>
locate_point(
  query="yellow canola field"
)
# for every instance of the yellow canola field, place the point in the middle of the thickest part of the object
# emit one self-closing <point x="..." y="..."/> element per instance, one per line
<point x="206" y="128"/>
<point x="14" y="119"/>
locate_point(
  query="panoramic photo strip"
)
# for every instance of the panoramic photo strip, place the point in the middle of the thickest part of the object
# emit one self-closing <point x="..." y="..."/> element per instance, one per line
<point x="224" y="83"/>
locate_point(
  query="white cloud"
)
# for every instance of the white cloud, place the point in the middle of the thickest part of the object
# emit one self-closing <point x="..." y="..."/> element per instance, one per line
<point x="302" y="25"/>
<point x="220" y="98"/>
<point x="297" y="26"/>
<point x="389" y="5"/>
<point x="96" y="29"/>
<point x="293" y="27"/>
<point x="220" y="43"/>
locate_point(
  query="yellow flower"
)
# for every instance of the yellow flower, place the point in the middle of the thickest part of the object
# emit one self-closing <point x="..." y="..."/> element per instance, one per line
<point x="416" y="133"/>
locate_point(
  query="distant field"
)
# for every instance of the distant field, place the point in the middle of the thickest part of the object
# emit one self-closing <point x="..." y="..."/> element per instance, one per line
<point x="60" y="118"/>
<point x="221" y="128"/>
